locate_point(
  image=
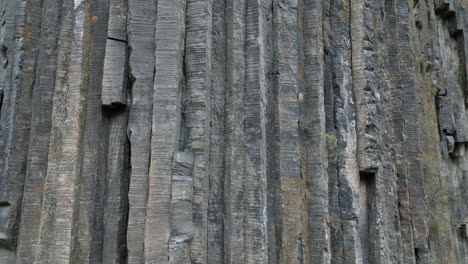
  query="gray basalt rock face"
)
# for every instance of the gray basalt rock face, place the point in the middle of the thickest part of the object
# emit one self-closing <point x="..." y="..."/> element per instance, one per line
<point x="221" y="131"/>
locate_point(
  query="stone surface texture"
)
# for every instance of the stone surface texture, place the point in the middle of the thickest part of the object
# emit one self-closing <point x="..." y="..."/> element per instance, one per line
<point x="234" y="131"/>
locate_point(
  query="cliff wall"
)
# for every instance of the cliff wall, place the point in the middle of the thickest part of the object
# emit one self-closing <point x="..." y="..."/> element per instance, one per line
<point x="221" y="131"/>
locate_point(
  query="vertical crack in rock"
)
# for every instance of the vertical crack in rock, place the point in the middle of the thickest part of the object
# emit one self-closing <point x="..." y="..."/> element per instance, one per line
<point x="334" y="218"/>
<point x="366" y="198"/>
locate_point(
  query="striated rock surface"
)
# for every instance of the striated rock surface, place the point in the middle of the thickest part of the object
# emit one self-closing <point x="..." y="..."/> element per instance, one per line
<point x="222" y="131"/>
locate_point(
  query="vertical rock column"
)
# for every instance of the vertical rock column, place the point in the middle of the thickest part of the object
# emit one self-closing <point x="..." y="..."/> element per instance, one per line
<point x="336" y="234"/>
<point x="141" y="28"/>
<point x="181" y="215"/>
<point x="115" y="113"/>
<point x="116" y="204"/>
<point x="19" y="45"/>
<point x="215" y="248"/>
<point x="312" y="127"/>
<point x="411" y="123"/>
<point x="198" y="113"/>
<point x="49" y="202"/>
<point x="345" y="124"/>
<point x="166" y="128"/>
<point x="92" y="179"/>
<point x="256" y="238"/>
<point x="364" y="84"/>
<point x="292" y="185"/>
<point x="59" y="213"/>
<point x="397" y="120"/>
<point x="367" y="119"/>
<point x="234" y="155"/>
<point x="114" y="88"/>
<point x="40" y="133"/>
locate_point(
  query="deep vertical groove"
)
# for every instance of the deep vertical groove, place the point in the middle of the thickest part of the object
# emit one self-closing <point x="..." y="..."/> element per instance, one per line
<point x="336" y="234"/>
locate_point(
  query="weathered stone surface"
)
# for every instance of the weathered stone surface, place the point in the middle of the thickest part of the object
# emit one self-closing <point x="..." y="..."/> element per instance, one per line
<point x="114" y="77"/>
<point x="118" y="11"/>
<point x="291" y="188"/>
<point x="312" y="132"/>
<point x="197" y="112"/>
<point x="215" y="245"/>
<point x="461" y="128"/>
<point x="181" y="210"/>
<point x="166" y="126"/>
<point x="181" y="216"/>
<point x="141" y="28"/>
<point x="116" y="201"/>
<point x="248" y="131"/>
<point x="234" y="176"/>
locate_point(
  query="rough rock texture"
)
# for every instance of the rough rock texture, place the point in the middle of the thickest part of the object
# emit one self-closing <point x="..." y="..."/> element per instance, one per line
<point x="222" y="131"/>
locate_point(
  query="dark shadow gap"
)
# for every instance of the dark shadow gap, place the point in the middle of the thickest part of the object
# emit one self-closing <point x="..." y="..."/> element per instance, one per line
<point x="366" y="198"/>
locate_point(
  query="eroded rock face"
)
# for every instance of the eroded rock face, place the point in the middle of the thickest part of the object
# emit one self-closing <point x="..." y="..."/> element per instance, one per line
<point x="220" y="131"/>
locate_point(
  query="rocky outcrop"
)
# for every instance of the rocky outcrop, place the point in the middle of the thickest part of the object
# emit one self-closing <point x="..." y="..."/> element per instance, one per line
<point x="248" y="131"/>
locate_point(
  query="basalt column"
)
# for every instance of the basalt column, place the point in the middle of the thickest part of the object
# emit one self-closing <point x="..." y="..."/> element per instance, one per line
<point x="222" y="131"/>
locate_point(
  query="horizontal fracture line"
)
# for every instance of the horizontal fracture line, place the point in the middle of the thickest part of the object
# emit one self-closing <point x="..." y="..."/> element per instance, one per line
<point x="116" y="39"/>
